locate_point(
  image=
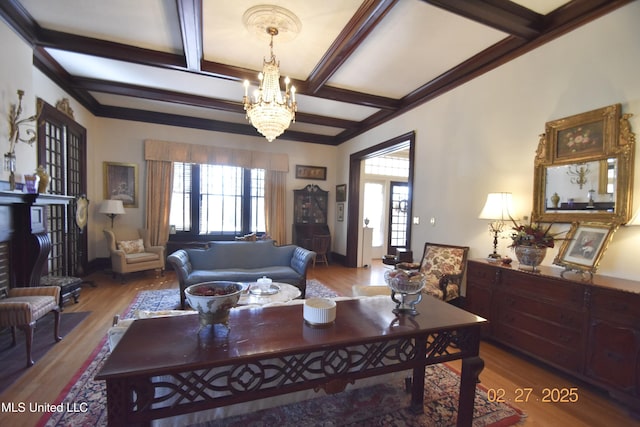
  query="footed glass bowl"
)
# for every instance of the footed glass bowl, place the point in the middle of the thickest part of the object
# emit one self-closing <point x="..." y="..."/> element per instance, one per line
<point x="405" y="283"/>
<point x="213" y="300"/>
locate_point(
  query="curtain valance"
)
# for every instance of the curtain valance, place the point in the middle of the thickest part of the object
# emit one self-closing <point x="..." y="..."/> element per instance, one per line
<point x="193" y="153"/>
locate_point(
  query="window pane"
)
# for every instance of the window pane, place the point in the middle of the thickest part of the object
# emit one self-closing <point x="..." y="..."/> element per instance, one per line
<point x="220" y="199"/>
<point x="222" y="207"/>
<point x="257" y="201"/>
<point x="180" y="215"/>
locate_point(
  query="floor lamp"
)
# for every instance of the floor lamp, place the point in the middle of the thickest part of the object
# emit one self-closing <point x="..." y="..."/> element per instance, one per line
<point x="497" y="208"/>
<point x="112" y="208"/>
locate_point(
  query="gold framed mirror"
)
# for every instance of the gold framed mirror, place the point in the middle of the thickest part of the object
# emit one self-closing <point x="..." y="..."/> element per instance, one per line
<point x="583" y="168"/>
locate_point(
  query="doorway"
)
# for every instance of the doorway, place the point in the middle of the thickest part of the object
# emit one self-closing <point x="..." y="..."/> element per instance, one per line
<point x="354" y="223"/>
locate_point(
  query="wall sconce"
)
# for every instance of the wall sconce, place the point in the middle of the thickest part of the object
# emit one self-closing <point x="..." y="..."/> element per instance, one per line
<point x="578" y="174"/>
<point x="112" y="208"/>
<point x="497" y="208"/>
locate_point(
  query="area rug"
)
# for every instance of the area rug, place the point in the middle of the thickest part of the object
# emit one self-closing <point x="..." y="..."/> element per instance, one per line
<point x="14" y="359"/>
<point x="378" y="405"/>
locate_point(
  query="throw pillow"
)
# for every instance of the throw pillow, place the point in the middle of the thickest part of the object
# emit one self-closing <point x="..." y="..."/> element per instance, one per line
<point x="131" y="246"/>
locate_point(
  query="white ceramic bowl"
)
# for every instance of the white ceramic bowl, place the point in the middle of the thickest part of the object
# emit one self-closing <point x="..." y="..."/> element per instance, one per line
<point x="213" y="300"/>
<point x="319" y="311"/>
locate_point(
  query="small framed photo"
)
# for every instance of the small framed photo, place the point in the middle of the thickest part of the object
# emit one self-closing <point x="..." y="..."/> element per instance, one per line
<point x="584" y="245"/>
<point x="311" y="172"/>
<point x="340" y="207"/>
<point x="121" y="183"/>
<point x="341" y="193"/>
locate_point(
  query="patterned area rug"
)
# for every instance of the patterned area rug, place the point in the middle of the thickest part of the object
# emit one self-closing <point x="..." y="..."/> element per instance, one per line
<point x="378" y="405"/>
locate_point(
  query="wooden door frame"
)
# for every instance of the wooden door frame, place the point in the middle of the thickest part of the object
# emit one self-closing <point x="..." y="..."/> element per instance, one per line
<point x="353" y="209"/>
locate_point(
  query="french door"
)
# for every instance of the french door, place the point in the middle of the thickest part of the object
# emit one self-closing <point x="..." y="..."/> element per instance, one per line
<point x="62" y="151"/>
<point x="398" y="217"/>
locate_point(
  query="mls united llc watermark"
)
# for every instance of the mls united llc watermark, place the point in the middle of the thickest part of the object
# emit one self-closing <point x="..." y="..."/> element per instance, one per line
<point x="21" y="407"/>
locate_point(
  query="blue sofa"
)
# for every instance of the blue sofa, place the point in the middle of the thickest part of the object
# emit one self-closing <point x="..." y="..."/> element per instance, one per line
<point x="242" y="261"/>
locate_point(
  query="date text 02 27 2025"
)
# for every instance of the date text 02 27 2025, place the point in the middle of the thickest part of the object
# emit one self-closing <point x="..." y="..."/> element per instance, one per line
<point x="526" y="394"/>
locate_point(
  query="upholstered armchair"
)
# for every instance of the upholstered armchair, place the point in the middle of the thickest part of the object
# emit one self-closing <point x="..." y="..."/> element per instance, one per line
<point x="444" y="267"/>
<point x="24" y="306"/>
<point x="131" y="251"/>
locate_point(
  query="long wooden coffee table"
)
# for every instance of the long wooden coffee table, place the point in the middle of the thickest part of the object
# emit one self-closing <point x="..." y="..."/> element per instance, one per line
<point x="163" y="367"/>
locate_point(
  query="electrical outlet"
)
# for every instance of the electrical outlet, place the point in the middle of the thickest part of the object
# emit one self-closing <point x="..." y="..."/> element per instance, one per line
<point x="433" y="221"/>
<point x="416" y="220"/>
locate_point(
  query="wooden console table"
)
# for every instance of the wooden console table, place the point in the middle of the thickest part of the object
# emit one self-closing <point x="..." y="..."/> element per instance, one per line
<point x="590" y="329"/>
<point x="271" y="351"/>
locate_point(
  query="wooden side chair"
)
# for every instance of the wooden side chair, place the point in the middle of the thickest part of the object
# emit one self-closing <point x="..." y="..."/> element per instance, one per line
<point x="24" y="306"/>
<point x="320" y="244"/>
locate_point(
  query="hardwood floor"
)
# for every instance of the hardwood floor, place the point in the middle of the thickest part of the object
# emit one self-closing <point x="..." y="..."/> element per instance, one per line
<point x="503" y="371"/>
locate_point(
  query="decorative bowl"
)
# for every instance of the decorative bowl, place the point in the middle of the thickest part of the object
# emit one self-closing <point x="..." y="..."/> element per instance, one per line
<point x="405" y="281"/>
<point x="213" y="300"/>
<point x="407" y="285"/>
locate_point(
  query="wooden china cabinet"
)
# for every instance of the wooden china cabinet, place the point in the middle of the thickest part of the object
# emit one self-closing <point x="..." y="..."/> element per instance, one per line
<point x="310" y="207"/>
<point x="590" y="329"/>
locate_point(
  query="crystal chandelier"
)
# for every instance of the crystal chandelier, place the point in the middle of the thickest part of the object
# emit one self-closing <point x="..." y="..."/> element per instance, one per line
<point x="269" y="110"/>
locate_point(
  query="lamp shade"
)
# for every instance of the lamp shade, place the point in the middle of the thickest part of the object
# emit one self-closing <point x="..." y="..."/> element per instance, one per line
<point x="497" y="207"/>
<point x="112" y="207"/>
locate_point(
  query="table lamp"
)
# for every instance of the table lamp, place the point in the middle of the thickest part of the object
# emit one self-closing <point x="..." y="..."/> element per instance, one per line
<point x="497" y="208"/>
<point x="112" y="208"/>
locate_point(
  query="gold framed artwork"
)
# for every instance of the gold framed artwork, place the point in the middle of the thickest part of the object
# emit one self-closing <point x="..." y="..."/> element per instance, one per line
<point x="311" y="172"/>
<point x="121" y="182"/>
<point x="584" y="168"/>
<point x="584" y="246"/>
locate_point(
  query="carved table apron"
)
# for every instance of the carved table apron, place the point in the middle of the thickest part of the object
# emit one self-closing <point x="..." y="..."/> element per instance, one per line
<point x="271" y="351"/>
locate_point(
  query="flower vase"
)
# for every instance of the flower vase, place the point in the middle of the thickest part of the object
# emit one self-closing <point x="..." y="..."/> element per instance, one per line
<point x="44" y="179"/>
<point x="530" y="257"/>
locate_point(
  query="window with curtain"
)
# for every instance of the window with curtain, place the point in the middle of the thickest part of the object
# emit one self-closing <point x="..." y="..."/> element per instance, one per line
<point x="217" y="201"/>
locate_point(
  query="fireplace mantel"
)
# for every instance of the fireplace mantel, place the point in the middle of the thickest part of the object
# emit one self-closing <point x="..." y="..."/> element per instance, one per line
<point x="23" y="226"/>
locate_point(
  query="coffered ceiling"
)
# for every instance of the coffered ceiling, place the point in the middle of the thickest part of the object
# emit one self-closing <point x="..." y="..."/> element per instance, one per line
<point x="355" y="63"/>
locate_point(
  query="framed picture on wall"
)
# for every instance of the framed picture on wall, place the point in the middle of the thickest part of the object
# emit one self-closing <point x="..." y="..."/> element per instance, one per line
<point x="340" y="207"/>
<point x="121" y="183"/>
<point x="311" y="172"/>
<point x="341" y="193"/>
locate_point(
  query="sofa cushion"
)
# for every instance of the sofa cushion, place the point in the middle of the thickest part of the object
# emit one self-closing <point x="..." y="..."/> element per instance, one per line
<point x="245" y="255"/>
<point x="141" y="257"/>
<point x="131" y="246"/>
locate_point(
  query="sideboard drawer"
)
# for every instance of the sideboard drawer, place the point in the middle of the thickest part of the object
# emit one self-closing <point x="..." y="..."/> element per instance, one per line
<point x="571" y="295"/>
<point x="551" y="313"/>
<point x="558" y="334"/>
<point x="539" y="347"/>
<point x="481" y="275"/>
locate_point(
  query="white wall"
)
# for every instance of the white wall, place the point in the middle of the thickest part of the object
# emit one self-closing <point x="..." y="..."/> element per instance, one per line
<point x="476" y="139"/>
<point x="482" y="136"/>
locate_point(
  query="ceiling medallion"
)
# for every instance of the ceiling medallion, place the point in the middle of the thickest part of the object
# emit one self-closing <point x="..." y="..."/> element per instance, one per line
<point x="259" y="18"/>
<point x="269" y="110"/>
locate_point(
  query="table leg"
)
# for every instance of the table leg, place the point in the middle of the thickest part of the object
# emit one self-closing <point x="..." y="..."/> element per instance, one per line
<point x="417" y="387"/>
<point x="471" y="368"/>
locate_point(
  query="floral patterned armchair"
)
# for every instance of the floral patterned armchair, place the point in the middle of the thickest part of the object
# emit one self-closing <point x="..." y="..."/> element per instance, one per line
<point x="444" y="267"/>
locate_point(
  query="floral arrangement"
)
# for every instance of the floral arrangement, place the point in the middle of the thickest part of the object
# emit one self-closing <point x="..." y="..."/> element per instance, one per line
<point x="533" y="234"/>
